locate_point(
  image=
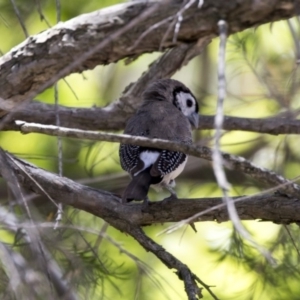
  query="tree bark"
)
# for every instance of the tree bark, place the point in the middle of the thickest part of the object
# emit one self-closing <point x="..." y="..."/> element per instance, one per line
<point x="269" y="207"/>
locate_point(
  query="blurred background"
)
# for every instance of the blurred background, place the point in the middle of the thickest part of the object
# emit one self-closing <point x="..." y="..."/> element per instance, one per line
<point x="262" y="81"/>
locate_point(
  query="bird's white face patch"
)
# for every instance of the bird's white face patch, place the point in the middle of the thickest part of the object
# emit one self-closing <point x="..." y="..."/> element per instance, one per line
<point x="186" y="103"/>
<point x="148" y="158"/>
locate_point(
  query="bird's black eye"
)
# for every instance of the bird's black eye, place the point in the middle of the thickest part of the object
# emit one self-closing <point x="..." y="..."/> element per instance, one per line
<point x="189" y="103"/>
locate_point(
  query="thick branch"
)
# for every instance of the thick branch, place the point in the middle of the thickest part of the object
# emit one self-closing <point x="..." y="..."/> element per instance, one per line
<point x="276" y="208"/>
<point x="114" y="115"/>
<point x="113" y="119"/>
<point x="75" y="45"/>
<point x="128" y="218"/>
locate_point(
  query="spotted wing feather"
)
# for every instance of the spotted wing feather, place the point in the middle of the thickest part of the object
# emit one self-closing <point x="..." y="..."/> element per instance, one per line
<point x="167" y="162"/>
<point x="129" y="156"/>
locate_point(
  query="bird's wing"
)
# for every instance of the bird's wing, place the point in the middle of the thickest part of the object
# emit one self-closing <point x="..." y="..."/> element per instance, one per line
<point x="156" y="120"/>
<point x="167" y="162"/>
<point x="129" y="156"/>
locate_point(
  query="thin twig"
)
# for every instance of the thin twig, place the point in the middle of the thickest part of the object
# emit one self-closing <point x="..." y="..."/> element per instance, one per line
<point x="58" y="11"/>
<point x="295" y="39"/>
<point x="150" y="29"/>
<point x="59" y="212"/>
<point x="179" y="16"/>
<point x="19" y="17"/>
<point x="40" y="12"/>
<point x="57" y="123"/>
<point x="292" y="239"/>
<point x="183" y="272"/>
<point x="230" y="161"/>
<point x="197" y="216"/>
<point x="21" y="167"/>
<point x="217" y="155"/>
<point x="47" y="264"/>
<point x="219" y="117"/>
<point x="177" y="19"/>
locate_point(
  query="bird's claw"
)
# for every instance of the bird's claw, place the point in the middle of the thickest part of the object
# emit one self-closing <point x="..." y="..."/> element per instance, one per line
<point x="170" y="199"/>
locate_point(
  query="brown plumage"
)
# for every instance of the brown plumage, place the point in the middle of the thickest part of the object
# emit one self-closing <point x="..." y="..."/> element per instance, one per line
<point x="167" y="112"/>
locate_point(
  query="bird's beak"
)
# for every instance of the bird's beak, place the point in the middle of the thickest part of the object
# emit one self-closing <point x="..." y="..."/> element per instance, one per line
<point x="194" y="119"/>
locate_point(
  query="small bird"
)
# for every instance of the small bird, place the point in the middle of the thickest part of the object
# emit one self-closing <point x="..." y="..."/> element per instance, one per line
<point x="167" y="112"/>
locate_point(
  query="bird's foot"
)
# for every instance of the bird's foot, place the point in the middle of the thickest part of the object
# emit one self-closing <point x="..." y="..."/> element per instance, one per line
<point x="172" y="197"/>
<point x="169" y="187"/>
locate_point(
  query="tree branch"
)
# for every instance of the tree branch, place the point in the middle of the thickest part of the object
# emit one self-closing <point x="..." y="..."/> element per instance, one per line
<point x="112" y="119"/>
<point x="183" y="272"/>
<point x="108" y="206"/>
<point x="128" y="218"/>
<point x="230" y="161"/>
<point x="114" y="115"/>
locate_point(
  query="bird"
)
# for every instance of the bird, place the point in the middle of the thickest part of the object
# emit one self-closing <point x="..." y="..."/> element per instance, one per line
<point x="168" y="111"/>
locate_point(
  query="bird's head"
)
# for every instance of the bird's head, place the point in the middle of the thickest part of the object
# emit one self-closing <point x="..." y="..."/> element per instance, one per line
<point x="178" y="94"/>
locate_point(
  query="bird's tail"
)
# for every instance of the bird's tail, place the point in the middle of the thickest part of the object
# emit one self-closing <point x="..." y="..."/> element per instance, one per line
<point x="138" y="187"/>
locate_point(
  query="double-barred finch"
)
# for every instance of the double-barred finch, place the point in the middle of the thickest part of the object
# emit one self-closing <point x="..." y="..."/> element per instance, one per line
<point x="167" y="112"/>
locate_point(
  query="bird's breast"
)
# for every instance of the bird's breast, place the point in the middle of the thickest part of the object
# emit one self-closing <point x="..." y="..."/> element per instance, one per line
<point x="171" y="176"/>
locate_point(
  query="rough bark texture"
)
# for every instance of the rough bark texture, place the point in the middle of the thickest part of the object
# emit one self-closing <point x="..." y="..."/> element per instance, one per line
<point x="108" y="35"/>
<point x="271" y="207"/>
